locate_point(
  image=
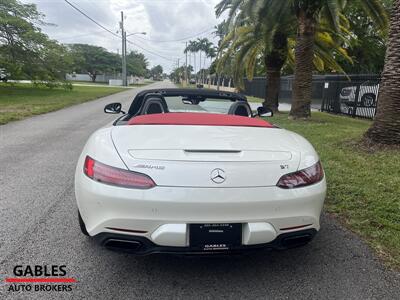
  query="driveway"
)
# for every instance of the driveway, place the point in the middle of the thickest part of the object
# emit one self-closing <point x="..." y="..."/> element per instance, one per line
<point x="39" y="226"/>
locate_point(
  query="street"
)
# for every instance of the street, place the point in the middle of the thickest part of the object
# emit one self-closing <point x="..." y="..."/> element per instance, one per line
<point x="40" y="227"/>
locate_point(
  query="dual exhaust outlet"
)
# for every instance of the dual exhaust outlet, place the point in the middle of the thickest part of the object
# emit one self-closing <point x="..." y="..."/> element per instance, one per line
<point x="287" y="242"/>
<point x="122" y="245"/>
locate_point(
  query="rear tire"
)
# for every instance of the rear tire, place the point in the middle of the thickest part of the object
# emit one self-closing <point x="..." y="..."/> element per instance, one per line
<point x="82" y="225"/>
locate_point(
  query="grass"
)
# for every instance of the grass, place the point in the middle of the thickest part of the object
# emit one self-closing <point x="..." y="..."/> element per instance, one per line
<point x="20" y="101"/>
<point x="363" y="185"/>
<point x="254" y="99"/>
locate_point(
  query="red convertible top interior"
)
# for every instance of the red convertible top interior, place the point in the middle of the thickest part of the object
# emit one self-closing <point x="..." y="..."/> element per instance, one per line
<point x="203" y="119"/>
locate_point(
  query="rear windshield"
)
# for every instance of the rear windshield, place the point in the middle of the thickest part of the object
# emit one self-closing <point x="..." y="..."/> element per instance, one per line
<point x="218" y="106"/>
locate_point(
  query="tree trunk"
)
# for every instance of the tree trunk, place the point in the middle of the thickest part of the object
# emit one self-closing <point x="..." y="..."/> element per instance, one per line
<point x="274" y="62"/>
<point x="93" y="76"/>
<point x="273" y="87"/>
<point x="304" y="54"/>
<point x="200" y="67"/>
<point x="386" y="126"/>
<point x="195" y="67"/>
<point x="204" y="68"/>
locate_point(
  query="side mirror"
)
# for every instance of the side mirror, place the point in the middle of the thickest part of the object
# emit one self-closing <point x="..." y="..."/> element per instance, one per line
<point x="113" y="108"/>
<point x="264" y="112"/>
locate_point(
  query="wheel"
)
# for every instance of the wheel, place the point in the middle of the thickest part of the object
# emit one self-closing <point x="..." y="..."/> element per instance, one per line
<point x="368" y="100"/>
<point x="82" y="225"/>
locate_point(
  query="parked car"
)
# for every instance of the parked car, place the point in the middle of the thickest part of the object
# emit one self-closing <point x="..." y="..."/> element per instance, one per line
<point x="196" y="171"/>
<point x="4" y="76"/>
<point x="192" y="81"/>
<point x="367" y="97"/>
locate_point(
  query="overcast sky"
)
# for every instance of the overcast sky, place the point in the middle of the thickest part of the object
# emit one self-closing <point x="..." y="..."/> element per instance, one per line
<point x="162" y="20"/>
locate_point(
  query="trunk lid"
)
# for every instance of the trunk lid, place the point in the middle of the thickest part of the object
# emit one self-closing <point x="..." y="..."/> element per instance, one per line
<point x="207" y="156"/>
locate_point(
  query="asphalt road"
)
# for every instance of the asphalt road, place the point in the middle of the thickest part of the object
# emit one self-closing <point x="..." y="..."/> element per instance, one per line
<point x="39" y="226"/>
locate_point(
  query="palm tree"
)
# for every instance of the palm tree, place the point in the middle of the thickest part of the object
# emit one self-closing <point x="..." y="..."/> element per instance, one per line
<point x="251" y="36"/>
<point x="246" y="45"/>
<point x="207" y="48"/>
<point x="210" y="53"/>
<point x="386" y="126"/>
<point x="201" y="46"/>
<point x="193" y="48"/>
<point x="309" y="13"/>
<point x="221" y="30"/>
<point x="273" y="40"/>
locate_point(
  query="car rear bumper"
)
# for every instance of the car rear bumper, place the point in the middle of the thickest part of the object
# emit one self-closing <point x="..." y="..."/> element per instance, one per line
<point x="142" y="246"/>
<point x="162" y="215"/>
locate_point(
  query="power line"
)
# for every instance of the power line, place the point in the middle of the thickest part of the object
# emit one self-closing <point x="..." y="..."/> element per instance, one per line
<point x="165" y="53"/>
<point x="178" y="40"/>
<point x="94" y="21"/>
<point x="114" y="34"/>
<point x="149" y="51"/>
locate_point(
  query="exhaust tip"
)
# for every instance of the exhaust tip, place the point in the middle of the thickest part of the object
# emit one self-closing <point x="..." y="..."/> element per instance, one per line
<point x="296" y="241"/>
<point x="122" y="245"/>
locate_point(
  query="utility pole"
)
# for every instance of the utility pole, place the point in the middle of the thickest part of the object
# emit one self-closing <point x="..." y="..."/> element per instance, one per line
<point x="186" y="67"/>
<point x="125" y="52"/>
<point x="123" y="33"/>
<point x="179" y="75"/>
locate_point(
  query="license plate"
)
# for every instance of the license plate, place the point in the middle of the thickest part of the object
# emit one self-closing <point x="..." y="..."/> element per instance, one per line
<point x="215" y="237"/>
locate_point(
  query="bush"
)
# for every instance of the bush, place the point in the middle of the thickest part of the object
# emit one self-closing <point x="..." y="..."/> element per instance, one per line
<point x="51" y="84"/>
<point x="67" y="86"/>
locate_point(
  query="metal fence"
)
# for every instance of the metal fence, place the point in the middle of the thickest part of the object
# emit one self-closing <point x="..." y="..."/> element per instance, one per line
<point x="352" y="95"/>
<point x="356" y="98"/>
<point x="219" y="81"/>
<point x="258" y="88"/>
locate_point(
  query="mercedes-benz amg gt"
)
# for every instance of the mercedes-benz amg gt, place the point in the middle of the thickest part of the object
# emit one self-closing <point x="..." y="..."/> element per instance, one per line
<point x="197" y="171"/>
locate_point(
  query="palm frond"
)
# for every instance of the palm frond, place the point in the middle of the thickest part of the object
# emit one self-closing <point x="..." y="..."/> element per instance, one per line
<point x="377" y="12"/>
<point x="331" y="12"/>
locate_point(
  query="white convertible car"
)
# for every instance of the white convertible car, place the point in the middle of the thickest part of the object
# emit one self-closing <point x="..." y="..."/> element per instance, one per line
<point x="194" y="171"/>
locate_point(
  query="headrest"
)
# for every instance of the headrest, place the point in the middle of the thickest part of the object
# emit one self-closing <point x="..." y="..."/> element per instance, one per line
<point x="240" y="108"/>
<point x="153" y="104"/>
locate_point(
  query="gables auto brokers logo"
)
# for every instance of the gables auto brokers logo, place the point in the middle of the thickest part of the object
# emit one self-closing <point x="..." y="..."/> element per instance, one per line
<point x="40" y="278"/>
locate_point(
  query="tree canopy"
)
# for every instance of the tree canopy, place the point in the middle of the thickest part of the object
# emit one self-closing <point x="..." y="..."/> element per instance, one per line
<point x="93" y="60"/>
<point x="136" y="64"/>
<point x="309" y="35"/>
<point x="367" y="43"/>
<point x="26" y="52"/>
<point x="156" y="72"/>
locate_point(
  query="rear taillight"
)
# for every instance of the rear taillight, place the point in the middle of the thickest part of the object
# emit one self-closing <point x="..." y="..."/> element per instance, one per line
<point x="304" y="177"/>
<point x="115" y="176"/>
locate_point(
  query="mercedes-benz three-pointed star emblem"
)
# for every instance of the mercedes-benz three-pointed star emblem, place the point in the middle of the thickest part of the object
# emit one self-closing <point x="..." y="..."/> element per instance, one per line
<point x="218" y="176"/>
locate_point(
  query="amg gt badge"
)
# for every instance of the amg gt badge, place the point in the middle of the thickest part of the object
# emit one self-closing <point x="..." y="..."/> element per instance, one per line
<point x="149" y="167"/>
<point x="218" y="176"/>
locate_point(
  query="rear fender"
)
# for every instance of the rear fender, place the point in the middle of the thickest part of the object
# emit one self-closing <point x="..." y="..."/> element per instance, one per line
<point x="101" y="148"/>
